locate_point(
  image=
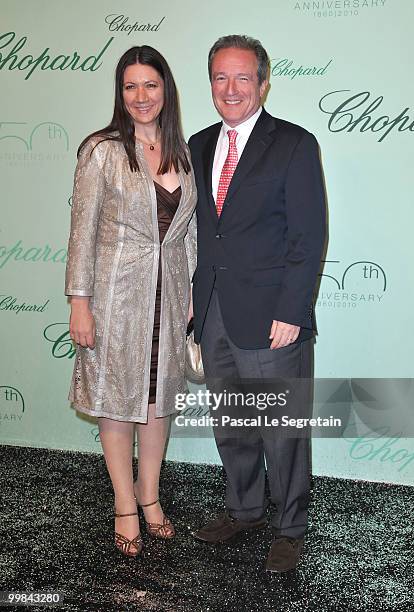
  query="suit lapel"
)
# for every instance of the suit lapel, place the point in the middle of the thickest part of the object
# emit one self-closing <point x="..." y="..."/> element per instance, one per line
<point x="259" y="140"/>
<point x="208" y="159"/>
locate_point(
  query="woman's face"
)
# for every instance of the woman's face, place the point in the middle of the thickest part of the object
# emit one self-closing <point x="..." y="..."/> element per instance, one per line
<point x="143" y="92"/>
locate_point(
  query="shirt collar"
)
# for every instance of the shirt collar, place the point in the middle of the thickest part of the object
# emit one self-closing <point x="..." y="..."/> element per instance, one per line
<point x="245" y="128"/>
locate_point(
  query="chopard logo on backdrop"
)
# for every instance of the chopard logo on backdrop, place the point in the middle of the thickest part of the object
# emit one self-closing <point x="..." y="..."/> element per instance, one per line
<point x="22" y="253"/>
<point x="360" y="113"/>
<point x="12" y="57"/>
<point x="58" y="335"/>
<point x="122" y="23"/>
<point x="9" y="303"/>
<point x="290" y="69"/>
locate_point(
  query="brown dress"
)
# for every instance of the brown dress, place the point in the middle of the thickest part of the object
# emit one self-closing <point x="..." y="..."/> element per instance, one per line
<point x="167" y="204"/>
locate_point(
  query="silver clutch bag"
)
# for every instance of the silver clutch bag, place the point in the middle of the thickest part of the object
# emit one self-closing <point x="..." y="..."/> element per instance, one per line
<point x="193" y="363"/>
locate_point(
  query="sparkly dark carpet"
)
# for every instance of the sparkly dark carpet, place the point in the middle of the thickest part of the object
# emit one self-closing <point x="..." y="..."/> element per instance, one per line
<point x="56" y="534"/>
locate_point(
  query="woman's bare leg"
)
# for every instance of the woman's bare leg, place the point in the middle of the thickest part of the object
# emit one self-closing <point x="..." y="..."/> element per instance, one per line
<point x="117" y="439"/>
<point x="152" y="437"/>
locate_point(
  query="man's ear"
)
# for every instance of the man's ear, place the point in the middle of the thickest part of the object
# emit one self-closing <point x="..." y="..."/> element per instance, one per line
<point x="263" y="87"/>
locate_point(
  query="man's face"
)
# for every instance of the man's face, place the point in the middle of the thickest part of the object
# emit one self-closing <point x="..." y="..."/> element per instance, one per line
<point x="234" y="85"/>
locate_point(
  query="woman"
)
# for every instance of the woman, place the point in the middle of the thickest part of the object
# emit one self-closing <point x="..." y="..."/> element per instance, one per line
<point x="131" y="255"/>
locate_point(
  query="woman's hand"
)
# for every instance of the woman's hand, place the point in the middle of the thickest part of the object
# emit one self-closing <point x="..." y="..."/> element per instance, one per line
<point x="82" y="322"/>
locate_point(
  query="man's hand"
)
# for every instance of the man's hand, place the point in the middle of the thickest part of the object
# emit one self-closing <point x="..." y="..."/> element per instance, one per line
<point x="283" y="334"/>
<point x="82" y="322"/>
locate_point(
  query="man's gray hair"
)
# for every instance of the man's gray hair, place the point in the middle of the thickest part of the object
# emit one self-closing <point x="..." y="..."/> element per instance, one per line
<point x="240" y="41"/>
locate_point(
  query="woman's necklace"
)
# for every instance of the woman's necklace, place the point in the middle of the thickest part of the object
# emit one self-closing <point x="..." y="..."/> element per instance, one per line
<point x="151" y="145"/>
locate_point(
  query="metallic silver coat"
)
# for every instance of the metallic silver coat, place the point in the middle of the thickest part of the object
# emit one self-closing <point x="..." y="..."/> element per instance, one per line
<point x="113" y="256"/>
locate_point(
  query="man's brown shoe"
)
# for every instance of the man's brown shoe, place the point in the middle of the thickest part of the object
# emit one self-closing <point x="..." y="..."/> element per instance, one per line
<point x="284" y="554"/>
<point x="225" y="527"/>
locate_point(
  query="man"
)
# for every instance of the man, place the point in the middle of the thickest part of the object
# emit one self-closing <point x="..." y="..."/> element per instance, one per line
<point x="261" y="228"/>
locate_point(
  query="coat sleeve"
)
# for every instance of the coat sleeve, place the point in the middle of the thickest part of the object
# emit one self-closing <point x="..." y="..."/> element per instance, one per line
<point x="190" y="242"/>
<point x="305" y="218"/>
<point x="88" y="195"/>
<point x="190" y="239"/>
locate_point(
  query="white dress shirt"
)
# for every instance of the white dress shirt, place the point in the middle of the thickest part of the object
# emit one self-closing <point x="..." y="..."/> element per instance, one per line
<point x="222" y="148"/>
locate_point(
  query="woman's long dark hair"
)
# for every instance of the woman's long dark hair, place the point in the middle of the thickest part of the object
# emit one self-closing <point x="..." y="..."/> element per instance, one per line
<point x="172" y="141"/>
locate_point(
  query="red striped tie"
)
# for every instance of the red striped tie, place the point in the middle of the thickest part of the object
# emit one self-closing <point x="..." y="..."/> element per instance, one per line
<point x="227" y="171"/>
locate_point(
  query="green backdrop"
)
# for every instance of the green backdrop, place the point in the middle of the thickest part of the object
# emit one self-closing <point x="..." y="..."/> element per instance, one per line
<point x="340" y="68"/>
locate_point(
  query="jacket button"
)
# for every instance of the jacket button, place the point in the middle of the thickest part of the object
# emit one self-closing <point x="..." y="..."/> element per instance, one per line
<point x="218" y="236"/>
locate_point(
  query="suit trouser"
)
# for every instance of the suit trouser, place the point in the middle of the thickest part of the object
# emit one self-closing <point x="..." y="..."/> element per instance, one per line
<point x="243" y="456"/>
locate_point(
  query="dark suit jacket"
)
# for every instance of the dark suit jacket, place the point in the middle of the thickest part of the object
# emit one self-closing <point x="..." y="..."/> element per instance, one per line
<point x="264" y="251"/>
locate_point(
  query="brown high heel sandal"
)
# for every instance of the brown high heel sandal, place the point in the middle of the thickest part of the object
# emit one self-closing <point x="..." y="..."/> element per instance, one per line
<point x="164" y="530"/>
<point x="124" y="544"/>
